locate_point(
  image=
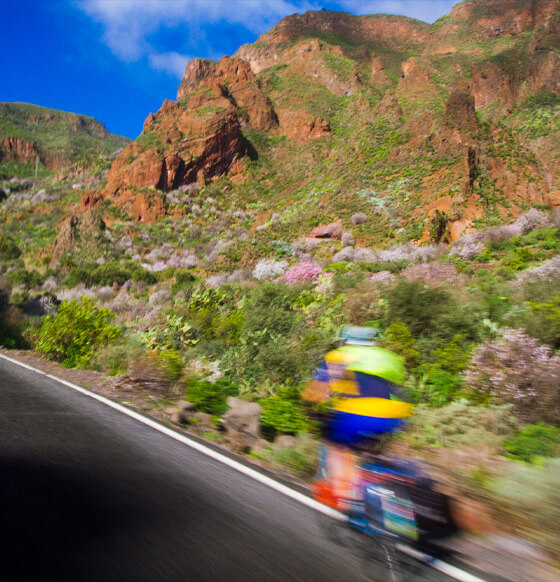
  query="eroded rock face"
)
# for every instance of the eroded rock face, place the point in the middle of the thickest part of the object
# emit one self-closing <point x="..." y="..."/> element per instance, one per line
<point x="14" y="149"/>
<point x="192" y="140"/>
<point x="74" y="229"/>
<point x="504" y="17"/>
<point x="490" y="83"/>
<point x="237" y="82"/>
<point x="181" y="144"/>
<point x="460" y="112"/>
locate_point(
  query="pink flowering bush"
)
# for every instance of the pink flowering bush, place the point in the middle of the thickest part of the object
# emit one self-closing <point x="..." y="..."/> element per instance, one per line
<point x="382" y="277"/>
<point x="303" y="271"/>
<point x="433" y="273"/>
<point x="517" y="369"/>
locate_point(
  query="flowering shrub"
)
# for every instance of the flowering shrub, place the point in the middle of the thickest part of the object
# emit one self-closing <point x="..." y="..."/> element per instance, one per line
<point x="410" y="253"/>
<point x="433" y="273"/>
<point x="467" y="247"/>
<point x="382" y="277"/>
<point x="347" y="239"/>
<point x="472" y="244"/>
<point x="303" y="271"/>
<point x="359" y="218"/>
<point x="355" y="255"/>
<point x="74" y="294"/>
<point x="269" y="269"/>
<point x="546" y="270"/>
<point x="517" y="369"/>
<point x="531" y="220"/>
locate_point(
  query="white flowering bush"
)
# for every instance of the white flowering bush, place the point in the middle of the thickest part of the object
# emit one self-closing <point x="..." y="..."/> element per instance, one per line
<point x="267" y="269"/>
<point x="75" y="293"/>
<point x="515" y="368"/>
<point x="347" y="239"/>
<point x="355" y="255"/>
<point x="359" y="218"/>
<point x="546" y="270"/>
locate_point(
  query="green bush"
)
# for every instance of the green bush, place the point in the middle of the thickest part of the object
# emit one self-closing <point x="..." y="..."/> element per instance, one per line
<point x="209" y="396"/>
<point x="114" y="359"/>
<point x="428" y="311"/>
<point x="11" y="335"/>
<point x="534" y="440"/>
<point x="302" y="459"/>
<point x="24" y="277"/>
<point x="183" y="280"/>
<point x="8" y="248"/>
<point x="283" y="415"/>
<point x="75" y="331"/>
<point x="398" y="339"/>
<point x="460" y="425"/>
<point x="109" y="273"/>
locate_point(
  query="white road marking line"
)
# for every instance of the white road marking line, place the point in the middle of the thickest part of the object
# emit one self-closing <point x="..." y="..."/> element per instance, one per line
<point x="447" y="569"/>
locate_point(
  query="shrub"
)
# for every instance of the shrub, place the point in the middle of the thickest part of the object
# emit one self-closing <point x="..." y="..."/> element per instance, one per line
<point x="303" y="271"/>
<point x="114" y="359"/>
<point x="269" y="269"/>
<point x="398" y="339"/>
<point x="108" y="274"/>
<point x="516" y="368"/>
<point x="183" y="280"/>
<point x="8" y="248"/>
<point x="359" y="218"/>
<point x="544" y="320"/>
<point x="10" y="328"/>
<point x="282" y="415"/>
<point x="428" y="311"/>
<point x="547" y="270"/>
<point x="347" y="239"/>
<point x="176" y="334"/>
<point x="302" y="459"/>
<point x="534" y="440"/>
<point x="78" y="328"/>
<point x="23" y="277"/>
<point x="460" y="425"/>
<point x="433" y="274"/>
<point x="211" y="397"/>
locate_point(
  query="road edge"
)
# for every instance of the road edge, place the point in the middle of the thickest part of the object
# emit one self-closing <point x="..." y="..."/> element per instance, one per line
<point x="285" y="490"/>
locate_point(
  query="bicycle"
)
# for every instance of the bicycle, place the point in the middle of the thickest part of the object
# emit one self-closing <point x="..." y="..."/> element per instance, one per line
<point x="396" y="514"/>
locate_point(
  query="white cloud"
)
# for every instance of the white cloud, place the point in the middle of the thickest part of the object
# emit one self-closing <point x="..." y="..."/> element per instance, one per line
<point x="129" y="24"/>
<point x="426" y="10"/>
<point x="172" y="63"/>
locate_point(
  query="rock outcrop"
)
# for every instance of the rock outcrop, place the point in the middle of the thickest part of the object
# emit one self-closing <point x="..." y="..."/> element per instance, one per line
<point x="74" y="229"/>
<point x="241" y="423"/>
<point x="383" y="103"/>
<point x="14" y="149"/>
<point x="193" y="140"/>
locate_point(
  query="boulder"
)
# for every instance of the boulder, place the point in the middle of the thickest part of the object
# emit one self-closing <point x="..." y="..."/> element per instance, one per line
<point x="174" y="414"/>
<point x="241" y="423"/>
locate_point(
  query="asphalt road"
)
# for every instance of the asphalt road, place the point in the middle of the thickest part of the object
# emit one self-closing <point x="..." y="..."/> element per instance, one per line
<point x="88" y="493"/>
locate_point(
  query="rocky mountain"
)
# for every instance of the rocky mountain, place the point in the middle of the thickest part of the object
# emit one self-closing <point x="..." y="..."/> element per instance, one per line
<point x="56" y="139"/>
<point x="429" y="128"/>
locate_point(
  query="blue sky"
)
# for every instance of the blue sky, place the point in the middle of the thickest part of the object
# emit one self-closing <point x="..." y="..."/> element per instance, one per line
<point x="118" y="59"/>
